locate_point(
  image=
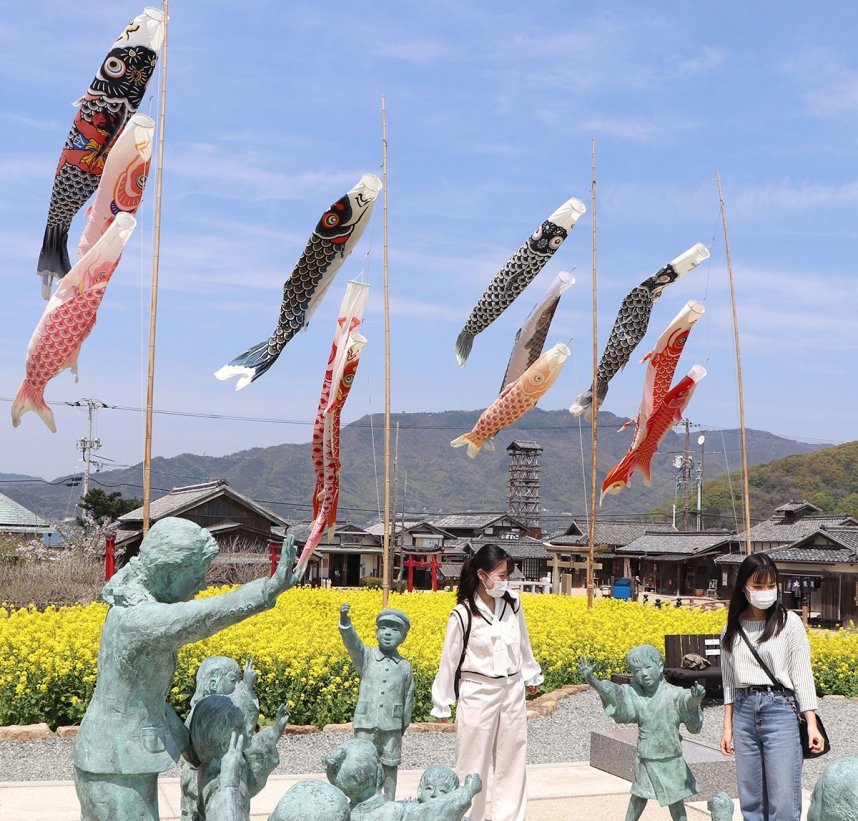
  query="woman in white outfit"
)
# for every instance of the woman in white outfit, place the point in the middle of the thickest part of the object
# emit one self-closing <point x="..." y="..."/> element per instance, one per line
<point x="486" y="665"/>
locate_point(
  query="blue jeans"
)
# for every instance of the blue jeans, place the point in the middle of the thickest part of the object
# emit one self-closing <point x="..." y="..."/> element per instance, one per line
<point x="768" y="756"/>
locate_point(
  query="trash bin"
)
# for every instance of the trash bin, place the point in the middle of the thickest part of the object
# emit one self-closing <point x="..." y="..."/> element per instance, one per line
<point x="622" y="589"/>
<point x="605" y="590"/>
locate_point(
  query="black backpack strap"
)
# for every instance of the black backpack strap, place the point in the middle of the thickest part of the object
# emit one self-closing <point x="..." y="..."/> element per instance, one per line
<point x="466" y="634"/>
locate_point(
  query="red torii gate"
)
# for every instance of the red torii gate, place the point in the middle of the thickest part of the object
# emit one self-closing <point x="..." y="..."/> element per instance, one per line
<point x="411" y="562"/>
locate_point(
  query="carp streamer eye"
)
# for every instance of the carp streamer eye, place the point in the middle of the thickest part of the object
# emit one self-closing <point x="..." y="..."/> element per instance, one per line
<point x="114" y="67"/>
<point x="331" y="220"/>
<point x="348" y="379"/>
<point x="555" y="242"/>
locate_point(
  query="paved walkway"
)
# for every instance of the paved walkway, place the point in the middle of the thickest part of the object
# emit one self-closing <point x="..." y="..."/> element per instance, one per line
<point x="557" y="792"/>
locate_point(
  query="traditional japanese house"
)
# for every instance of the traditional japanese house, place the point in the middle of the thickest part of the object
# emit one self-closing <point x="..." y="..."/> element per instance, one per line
<point x="245" y="531"/>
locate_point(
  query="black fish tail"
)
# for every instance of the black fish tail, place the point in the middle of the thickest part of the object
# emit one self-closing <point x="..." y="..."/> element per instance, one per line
<point x="464" y="343"/>
<point x="248" y="366"/>
<point x="54" y="256"/>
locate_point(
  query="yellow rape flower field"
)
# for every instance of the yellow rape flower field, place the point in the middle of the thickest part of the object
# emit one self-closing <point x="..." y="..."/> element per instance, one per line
<point x="48" y="659"/>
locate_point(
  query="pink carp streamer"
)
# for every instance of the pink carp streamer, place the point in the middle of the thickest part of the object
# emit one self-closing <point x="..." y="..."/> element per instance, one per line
<point x="68" y="319"/>
<point x="339" y="376"/>
<point x="664" y="416"/>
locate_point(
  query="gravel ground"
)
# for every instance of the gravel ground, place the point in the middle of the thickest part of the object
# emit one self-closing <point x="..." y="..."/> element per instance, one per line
<point x="562" y="736"/>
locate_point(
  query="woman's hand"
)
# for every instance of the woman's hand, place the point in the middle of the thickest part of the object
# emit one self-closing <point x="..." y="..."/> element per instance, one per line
<point x="814" y="738"/>
<point x="442" y="720"/>
<point x="727" y="741"/>
<point x="532" y="689"/>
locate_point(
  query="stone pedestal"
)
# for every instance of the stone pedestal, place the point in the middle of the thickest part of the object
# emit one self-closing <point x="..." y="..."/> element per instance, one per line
<point x="614" y="752"/>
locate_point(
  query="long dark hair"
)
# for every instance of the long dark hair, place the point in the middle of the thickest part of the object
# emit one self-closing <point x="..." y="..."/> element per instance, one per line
<point x="756" y="564"/>
<point x="487" y="558"/>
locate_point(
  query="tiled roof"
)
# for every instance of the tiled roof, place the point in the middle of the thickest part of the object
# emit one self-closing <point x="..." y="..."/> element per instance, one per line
<point x="671" y="542"/>
<point x="615" y="534"/>
<point x="793" y="507"/>
<point x="521" y="444"/>
<point x="17" y="517"/>
<point x="524" y="547"/>
<point x="786" y="531"/>
<point x="845" y="536"/>
<point x="477" y="521"/>
<point x="180" y="499"/>
<point x="813" y="555"/>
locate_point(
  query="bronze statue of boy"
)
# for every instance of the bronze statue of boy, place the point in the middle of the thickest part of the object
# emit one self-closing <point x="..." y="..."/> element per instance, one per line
<point x="386" y="695"/>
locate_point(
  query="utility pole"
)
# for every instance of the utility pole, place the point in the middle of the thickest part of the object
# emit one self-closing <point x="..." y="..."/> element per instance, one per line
<point x="87" y="444"/>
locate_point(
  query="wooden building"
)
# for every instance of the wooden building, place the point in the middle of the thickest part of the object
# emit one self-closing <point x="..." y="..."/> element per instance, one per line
<point x="243" y="529"/>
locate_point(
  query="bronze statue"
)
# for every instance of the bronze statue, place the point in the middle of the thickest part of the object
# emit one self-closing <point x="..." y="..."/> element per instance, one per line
<point x="658" y="708"/>
<point x="129" y="733"/>
<point x="386" y="694"/>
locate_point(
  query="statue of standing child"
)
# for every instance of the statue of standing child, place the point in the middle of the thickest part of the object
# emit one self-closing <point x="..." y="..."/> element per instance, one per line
<point x="658" y="708"/>
<point x="386" y="695"/>
<point x="129" y="733"/>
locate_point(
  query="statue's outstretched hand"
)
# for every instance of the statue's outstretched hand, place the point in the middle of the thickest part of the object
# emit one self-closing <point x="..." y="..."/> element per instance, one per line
<point x="249" y="676"/>
<point x="284" y="577"/>
<point x="230" y="765"/>
<point x="473" y="783"/>
<point x="586" y="668"/>
<point x="281" y="720"/>
<point x="344" y="615"/>
<point x="697" y="692"/>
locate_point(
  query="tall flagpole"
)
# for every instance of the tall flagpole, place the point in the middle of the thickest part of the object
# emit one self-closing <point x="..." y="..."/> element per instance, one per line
<point x="385" y="556"/>
<point x="746" y="490"/>
<point x="591" y="531"/>
<point x="153" y="304"/>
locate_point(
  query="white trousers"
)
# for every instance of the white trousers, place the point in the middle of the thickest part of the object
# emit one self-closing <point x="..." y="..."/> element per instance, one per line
<point x="491" y="726"/>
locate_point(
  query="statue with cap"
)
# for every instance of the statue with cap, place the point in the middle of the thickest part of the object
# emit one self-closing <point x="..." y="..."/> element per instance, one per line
<point x="386" y="695"/>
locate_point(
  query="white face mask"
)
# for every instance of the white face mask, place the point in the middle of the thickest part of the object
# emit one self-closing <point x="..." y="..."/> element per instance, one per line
<point x="762" y="599"/>
<point x="498" y="588"/>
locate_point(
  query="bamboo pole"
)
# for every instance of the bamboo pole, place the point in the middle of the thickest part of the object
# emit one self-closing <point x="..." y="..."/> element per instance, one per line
<point x="746" y="491"/>
<point x="153" y="303"/>
<point x="385" y="556"/>
<point x="591" y="531"/>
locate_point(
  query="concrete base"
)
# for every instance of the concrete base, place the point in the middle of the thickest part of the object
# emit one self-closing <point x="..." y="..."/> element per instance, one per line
<point x="614" y="752"/>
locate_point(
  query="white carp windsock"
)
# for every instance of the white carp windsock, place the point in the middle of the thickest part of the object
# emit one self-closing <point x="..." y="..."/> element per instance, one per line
<point x="68" y="319"/>
<point x="122" y="181"/>
<point x="631" y="324"/>
<point x="661" y="364"/>
<point x="515" y="400"/>
<point x="518" y="273"/>
<point x="530" y="339"/>
<point x="113" y="96"/>
<point x="333" y="239"/>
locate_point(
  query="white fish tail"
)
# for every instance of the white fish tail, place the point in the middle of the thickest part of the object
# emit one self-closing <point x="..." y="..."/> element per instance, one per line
<point x="30" y="398"/>
<point x="249" y="366"/>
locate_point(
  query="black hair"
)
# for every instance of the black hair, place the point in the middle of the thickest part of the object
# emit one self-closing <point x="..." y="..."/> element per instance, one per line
<point x="487" y="558"/>
<point x="756" y="564"/>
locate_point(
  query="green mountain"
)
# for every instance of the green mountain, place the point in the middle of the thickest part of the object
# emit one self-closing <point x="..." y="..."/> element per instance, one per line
<point x="431" y="476"/>
<point x="827" y="478"/>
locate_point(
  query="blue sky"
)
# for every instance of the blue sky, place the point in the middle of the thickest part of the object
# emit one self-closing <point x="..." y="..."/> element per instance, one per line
<point x="273" y="112"/>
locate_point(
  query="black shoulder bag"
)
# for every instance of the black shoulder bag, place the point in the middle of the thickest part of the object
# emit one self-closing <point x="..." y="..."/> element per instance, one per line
<point x="466" y="631"/>
<point x="802" y="723"/>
